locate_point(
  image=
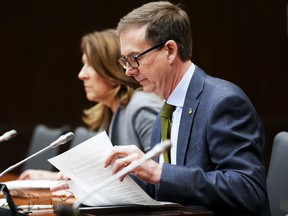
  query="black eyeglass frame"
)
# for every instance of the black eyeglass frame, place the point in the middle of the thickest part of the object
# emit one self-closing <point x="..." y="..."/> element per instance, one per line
<point x="123" y="60"/>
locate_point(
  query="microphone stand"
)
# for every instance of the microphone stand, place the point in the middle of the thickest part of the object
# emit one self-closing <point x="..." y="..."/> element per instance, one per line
<point x="61" y="140"/>
<point x="3" y="188"/>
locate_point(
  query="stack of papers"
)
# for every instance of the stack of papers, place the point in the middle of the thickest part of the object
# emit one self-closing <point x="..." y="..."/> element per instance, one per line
<point x="84" y="165"/>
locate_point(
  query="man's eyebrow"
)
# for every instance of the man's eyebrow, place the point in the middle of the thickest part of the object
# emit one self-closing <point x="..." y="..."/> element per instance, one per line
<point x="130" y="54"/>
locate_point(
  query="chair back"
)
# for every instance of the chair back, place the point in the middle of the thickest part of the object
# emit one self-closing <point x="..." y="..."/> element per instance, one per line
<point x="277" y="178"/>
<point x="42" y="137"/>
<point x="80" y="135"/>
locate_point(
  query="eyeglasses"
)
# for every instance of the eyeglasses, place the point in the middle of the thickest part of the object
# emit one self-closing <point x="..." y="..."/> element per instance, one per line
<point x="133" y="60"/>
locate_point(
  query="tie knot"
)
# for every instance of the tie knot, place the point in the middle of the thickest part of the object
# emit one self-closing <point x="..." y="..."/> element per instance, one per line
<point x="167" y="110"/>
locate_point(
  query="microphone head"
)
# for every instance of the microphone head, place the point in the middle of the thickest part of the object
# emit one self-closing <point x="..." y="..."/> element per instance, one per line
<point x="161" y="147"/>
<point x="62" y="139"/>
<point x="8" y="135"/>
<point x="166" y="144"/>
<point x="11" y="133"/>
<point x="66" y="138"/>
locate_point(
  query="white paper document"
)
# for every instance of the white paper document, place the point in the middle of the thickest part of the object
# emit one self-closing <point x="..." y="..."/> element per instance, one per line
<point x="84" y="165"/>
<point x="30" y="184"/>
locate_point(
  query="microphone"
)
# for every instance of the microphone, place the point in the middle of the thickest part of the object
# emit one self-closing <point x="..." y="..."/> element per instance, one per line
<point x="156" y="150"/>
<point x="8" y="135"/>
<point x="60" y="141"/>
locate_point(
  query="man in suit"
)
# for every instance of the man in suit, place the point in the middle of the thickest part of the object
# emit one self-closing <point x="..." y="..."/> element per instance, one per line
<point x="217" y="136"/>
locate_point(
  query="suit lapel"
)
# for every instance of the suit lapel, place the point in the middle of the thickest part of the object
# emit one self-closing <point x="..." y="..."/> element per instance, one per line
<point x="188" y="113"/>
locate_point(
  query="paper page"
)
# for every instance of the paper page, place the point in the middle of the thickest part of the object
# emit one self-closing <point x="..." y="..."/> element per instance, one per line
<point x="84" y="165"/>
<point x="3" y="201"/>
<point x="30" y="184"/>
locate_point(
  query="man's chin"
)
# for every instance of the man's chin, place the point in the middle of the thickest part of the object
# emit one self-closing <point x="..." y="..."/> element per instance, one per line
<point x="148" y="89"/>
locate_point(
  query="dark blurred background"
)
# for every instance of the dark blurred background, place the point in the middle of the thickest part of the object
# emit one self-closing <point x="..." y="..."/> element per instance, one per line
<point x="243" y="41"/>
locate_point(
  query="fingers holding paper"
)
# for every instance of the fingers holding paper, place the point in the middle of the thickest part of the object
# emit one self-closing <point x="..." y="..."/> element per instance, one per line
<point x="122" y="156"/>
<point x="62" y="185"/>
<point x="60" y="177"/>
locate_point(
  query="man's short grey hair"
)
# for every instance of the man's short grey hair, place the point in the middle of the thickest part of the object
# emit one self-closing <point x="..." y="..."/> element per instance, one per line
<point x="165" y="21"/>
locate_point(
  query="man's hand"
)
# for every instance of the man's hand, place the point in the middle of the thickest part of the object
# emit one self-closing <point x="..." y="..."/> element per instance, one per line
<point x="62" y="185"/>
<point x="122" y="156"/>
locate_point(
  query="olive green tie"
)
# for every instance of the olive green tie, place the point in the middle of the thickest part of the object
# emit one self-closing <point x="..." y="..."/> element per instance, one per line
<point x="166" y="115"/>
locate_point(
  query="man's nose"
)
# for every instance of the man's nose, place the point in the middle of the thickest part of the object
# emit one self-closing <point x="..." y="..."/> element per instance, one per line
<point x="131" y="71"/>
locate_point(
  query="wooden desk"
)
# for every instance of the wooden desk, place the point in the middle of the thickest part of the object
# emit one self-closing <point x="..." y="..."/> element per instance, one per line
<point x="44" y="197"/>
<point x="34" y="197"/>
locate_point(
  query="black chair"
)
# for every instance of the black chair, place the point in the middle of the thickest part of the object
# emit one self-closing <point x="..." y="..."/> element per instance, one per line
<point x="80" y="135"/>
<point x="277" y="178"/>
<point x="41" y="138"/>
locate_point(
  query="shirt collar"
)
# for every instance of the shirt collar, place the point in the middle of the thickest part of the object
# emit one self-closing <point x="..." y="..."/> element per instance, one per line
<point x="177" y="97"/>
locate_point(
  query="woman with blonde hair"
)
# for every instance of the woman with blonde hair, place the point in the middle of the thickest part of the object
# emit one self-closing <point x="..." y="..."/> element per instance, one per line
<point x="122" y="108"/>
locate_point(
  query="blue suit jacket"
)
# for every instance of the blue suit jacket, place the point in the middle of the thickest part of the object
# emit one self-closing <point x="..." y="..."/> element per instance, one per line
<point x="219" y="152"/>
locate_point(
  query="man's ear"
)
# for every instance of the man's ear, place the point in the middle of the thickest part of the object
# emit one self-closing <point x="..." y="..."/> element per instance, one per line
<point x="172" y="50"/>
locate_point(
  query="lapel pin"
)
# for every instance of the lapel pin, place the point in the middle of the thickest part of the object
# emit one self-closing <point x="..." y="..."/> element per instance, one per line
<point x="190" y="111"/>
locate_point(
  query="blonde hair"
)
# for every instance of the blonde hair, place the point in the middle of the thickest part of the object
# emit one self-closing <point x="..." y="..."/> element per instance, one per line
<point x="102" y="49"/>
